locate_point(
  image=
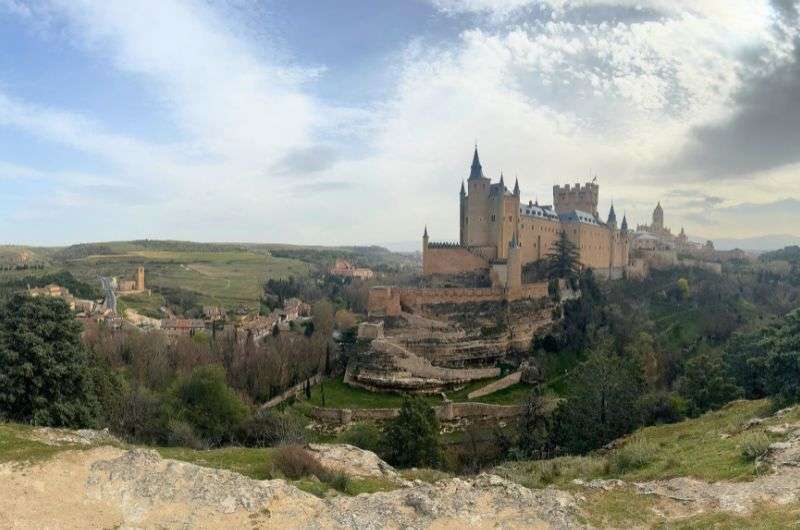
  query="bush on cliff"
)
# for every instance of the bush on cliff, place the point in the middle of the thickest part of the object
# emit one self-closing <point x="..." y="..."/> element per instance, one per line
<point x="412" y="438"/>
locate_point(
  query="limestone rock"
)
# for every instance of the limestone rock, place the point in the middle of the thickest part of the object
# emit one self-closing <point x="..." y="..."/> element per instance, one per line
<point x="352" y="461"/>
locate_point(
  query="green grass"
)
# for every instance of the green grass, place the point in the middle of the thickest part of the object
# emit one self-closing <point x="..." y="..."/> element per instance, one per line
<point x="16" y="447"/>
<point x="338" y="394"/>
<point x="258" y="463"/>
<point x="252" y="462"/>
<point x="707" y="448"/>
<point x="144" y="304"/>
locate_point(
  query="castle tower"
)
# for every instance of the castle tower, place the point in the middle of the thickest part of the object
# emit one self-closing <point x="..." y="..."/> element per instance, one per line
<point x="580" y="197"/>
<point x="462" y="216"/>
<point x="140" y="279"/>
<point x="514" y="264"/>
<point x="477" y="206"/>
<point x="425" y="240"/>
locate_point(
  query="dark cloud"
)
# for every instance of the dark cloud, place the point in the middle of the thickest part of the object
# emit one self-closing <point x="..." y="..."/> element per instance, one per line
<point x="781" y="213"/>
<point x="307" y="160"/>
<point x="765" y="131"/>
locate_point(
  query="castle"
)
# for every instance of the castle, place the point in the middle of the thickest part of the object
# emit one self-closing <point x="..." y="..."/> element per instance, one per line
<point x="500" y="234"/>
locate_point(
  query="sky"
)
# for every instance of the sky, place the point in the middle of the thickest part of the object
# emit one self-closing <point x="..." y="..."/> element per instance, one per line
<point x="353" y="122"/>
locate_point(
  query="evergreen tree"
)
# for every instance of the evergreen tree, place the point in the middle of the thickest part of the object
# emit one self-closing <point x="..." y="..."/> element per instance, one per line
<point x="705" y="384"/>
<point x="45" y="373"/>
<point x="605" y="403"/>
<point x="563" y="261"/>
<point x="412" y="438"/>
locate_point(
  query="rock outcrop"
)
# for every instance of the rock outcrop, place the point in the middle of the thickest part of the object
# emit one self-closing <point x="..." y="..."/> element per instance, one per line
<point x="112" y="488"/>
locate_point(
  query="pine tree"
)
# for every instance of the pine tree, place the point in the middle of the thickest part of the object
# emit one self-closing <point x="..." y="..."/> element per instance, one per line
<point x="563" y="260"/>
<point x="412" y="438"/>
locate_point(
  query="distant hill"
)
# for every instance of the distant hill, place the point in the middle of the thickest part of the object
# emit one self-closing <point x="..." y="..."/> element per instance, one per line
<point x="761" y="243"/>
<point x="790" y="254"/>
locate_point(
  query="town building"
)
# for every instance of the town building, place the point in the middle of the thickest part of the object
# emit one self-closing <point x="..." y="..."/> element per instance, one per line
<point x="134" y="285"/>
<point x="56" y="291"/>
<point x="176" y="327"/>
<point x="345" y="269"/>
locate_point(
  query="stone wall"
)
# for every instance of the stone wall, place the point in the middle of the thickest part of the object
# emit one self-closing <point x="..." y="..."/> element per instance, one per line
<point x="294" y="391"/>
<point x="446" y="412"/>
<point x="384" y="302"/>
<point x="450" y="260"/>
<point x="388" y="301"/>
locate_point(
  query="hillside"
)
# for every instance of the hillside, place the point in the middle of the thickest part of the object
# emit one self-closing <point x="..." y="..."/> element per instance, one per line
<point x="732" y="468"/>
<point x="224" y="274"/>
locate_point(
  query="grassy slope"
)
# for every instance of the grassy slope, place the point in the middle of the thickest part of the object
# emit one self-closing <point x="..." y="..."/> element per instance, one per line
<point x="340" y="395"/>
<point x="147" y="305"/>
<point x="707" y="448"/>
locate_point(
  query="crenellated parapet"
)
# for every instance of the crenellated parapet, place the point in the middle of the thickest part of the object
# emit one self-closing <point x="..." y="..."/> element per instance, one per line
<point x="583" y="197"/>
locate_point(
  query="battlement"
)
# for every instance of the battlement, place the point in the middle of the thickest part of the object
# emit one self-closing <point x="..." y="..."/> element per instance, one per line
<point x="579" y="196"/>
<point x="445" y="244"/>
<point x="589" y="187"/>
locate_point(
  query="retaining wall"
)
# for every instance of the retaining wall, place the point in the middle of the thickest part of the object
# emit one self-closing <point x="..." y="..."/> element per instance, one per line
<point x="446" y="412"/>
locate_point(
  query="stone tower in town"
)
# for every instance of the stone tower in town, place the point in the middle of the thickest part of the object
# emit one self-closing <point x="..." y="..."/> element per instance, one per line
<point x="658" y="218"/>
<point x="140" y="279"/>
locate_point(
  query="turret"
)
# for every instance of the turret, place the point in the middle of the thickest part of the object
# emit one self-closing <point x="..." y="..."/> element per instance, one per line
<point x="612" y="217"/>
<point x="624" y="226"/>
<point x="516" y="187"/>
<point x="476" y="171"/>
<point x="502" y="183"/>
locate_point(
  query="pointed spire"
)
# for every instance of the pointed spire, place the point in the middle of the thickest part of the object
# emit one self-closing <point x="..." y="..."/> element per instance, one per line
<point x="476" y="171"/>
<point x="516" y="186"/>
<point x="502" y="184"/>
<point x="624" y="226"/>
<point x="462" y="188"/>
<point x="612" y="216"/>
<point x="425" y="233"/>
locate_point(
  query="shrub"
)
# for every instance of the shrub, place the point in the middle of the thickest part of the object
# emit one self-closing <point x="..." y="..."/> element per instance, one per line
<point x="412" y="438"/>
<point x="181" y="434"/>
<point x="143" y="416"/>
<point x="635" y="454"/>
<point x="267" y="429"/>
<point x="754" y="445"/>
<point x="205" y="401"/>
<point x="295" y="462"/>
<point x="363" y="435"/>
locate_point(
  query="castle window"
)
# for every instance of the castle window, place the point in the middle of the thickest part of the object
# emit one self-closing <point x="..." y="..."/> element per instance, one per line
<point x="493" y="218"/>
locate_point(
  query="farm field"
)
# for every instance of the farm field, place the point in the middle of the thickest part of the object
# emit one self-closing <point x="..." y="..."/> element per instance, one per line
<point x="227" y="275"/>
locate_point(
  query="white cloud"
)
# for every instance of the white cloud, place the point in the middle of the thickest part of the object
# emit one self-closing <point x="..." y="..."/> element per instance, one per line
<point x="551" y="100"/>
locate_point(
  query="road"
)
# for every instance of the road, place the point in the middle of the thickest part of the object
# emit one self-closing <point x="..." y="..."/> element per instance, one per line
<point x="111" y="298"/>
